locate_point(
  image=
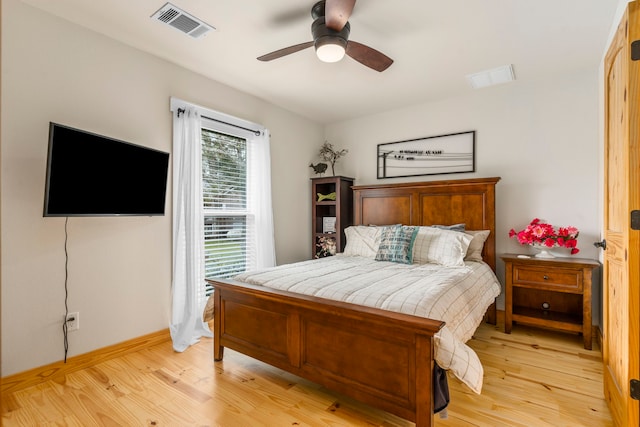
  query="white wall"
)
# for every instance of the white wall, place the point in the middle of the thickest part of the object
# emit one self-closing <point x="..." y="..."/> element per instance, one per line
<point x="540" y="138"/>
<point x="119" y="268"/>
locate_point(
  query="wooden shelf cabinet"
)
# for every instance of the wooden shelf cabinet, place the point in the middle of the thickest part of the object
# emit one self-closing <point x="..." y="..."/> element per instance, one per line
<point x="553" y="293"/>
<point x="325" y="210"/>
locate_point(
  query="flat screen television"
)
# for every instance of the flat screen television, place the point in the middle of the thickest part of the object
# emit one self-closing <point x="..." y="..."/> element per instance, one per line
<point x="93" y="175"/>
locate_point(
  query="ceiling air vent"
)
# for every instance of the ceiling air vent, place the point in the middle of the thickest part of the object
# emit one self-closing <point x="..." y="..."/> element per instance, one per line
<point x="492" y="77"/>
<point x="181" y="20"/>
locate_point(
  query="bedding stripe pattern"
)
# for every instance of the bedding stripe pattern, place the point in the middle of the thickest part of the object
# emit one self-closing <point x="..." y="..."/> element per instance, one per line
<point x="458" y="296"/>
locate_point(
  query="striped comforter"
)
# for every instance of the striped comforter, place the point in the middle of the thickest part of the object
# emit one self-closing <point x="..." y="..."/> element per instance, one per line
<point x="458" y="296"/>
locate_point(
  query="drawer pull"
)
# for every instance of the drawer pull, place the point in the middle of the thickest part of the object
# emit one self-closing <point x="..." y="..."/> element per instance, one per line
<point x="545" y="277"/>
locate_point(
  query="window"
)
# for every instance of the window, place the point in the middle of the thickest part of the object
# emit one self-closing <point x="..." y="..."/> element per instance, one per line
<point x="222" y="217"/>
<point x="227" y="222"/>
<point x="229" y="202"/>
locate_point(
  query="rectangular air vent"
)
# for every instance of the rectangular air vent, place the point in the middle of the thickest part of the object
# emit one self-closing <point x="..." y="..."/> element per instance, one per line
<point x="181" y="20"/>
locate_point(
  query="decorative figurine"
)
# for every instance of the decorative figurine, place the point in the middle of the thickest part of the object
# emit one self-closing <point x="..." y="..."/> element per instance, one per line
<point x="320" y="168"/>
<point x="330" y="196"/>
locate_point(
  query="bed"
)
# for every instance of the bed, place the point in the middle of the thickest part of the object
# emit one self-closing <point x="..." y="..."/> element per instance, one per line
<point x="383" y="358"/>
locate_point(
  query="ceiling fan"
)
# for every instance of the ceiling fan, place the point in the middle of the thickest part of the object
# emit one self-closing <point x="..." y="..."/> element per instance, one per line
<point x="330" y="30"/>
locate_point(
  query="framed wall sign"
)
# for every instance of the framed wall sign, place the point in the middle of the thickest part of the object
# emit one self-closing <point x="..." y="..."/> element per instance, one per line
<point x="433" y="155"/>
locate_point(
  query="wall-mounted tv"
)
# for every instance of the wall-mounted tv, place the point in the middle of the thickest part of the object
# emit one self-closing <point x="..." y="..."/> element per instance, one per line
<point x="93" y="175"/>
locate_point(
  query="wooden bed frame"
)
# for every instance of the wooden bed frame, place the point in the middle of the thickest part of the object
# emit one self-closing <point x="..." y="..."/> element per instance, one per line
<point x="379" y="357"/>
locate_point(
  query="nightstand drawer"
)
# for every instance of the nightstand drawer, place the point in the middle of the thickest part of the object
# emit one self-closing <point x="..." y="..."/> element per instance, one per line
<point x="555" y="279"/>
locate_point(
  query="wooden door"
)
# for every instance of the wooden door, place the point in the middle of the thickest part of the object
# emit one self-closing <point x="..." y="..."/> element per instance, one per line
<point x="621" y="271"/>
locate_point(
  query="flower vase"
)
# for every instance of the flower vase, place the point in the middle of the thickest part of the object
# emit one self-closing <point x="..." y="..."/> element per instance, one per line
<point x="543" y="252"/>
<point x="560" y="252"/>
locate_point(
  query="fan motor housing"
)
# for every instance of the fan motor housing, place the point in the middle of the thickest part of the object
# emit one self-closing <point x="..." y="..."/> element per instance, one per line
<point x="318" y="10"/>
<point x="323" y="35"/>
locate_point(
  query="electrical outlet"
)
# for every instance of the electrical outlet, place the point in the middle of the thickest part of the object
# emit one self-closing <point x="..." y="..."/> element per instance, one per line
<point x="73" y="321"/>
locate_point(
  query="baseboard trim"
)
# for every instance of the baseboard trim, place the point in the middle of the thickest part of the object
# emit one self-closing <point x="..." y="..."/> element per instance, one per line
<point x="55" y="370"/>
<point x="597" y="332"/>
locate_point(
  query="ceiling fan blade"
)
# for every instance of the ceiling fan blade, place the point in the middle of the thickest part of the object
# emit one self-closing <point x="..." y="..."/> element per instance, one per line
<point x="285" y="51"/>
<point x="368" y="56"/>
<point x="337" y="13"/>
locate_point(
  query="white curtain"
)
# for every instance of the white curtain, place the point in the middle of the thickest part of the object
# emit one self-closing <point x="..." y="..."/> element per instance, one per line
<point x="259" y="198"/>
<point x="188" y="238"/>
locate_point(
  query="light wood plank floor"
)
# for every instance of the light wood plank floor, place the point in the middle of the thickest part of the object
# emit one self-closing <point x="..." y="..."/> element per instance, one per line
<point x="532" y="378"/>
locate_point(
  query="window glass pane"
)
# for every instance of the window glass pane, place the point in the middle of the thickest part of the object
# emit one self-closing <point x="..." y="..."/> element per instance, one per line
<point x="225" y="245"/>
<point x="224" y="188"/>
<point x="224" y="171"/>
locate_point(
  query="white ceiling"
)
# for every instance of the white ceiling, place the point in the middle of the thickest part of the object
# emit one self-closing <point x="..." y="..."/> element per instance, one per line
<point x="434" y="44"/>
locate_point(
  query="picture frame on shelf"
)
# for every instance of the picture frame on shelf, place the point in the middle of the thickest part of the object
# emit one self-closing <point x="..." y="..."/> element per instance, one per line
<point x="328" y="224"/>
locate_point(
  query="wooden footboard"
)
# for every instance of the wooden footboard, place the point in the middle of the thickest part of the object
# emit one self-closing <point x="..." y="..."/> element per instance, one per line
<point x="381" y="358"/>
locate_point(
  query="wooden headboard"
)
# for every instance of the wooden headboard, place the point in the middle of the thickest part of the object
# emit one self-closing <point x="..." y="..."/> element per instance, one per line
<point x="469" y="201"/>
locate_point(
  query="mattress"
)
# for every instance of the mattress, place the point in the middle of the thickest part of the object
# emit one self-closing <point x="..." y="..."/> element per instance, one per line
<point x="459" y="296"/>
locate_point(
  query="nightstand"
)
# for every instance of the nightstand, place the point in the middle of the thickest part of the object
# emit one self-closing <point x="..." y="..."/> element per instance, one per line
<point x="549" y="292"/>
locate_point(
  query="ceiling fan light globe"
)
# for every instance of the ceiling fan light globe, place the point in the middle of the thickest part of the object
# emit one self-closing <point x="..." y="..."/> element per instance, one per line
<point x="330" y="45"/>
<point x="330" y="52"/>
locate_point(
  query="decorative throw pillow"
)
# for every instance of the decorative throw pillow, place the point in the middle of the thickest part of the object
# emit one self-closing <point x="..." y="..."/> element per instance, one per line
<point x="362" y="241"/>
<point x="439" y="246"/>
<point x="396" y="244"/>
<point x="474" y="252"/>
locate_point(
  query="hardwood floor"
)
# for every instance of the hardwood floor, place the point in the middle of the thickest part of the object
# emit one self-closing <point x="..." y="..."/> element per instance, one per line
<point x="532" y="378"/>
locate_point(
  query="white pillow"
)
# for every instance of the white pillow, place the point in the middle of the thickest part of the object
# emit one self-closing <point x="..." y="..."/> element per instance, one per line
<point x="474" y="252"/>
<point x="438" y="246"/>
<point x="362" y="240"/>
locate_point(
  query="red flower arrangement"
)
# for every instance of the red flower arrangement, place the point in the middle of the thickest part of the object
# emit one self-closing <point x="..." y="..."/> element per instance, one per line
<point x="543" y="234"/>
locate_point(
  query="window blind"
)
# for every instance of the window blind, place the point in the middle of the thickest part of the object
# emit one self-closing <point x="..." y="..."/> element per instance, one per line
<point x="228" y="226"/>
